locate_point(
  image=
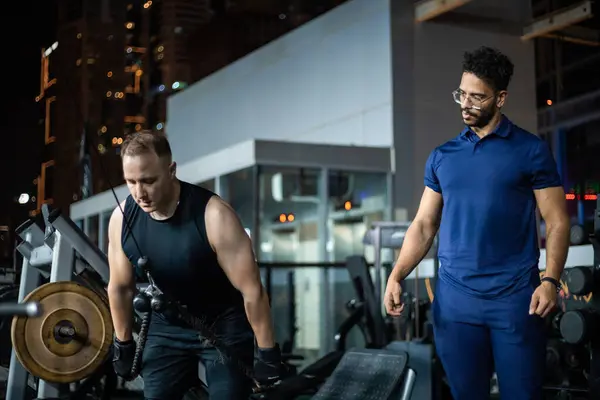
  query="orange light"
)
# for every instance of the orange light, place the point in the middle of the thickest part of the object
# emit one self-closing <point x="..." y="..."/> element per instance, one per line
<point x="573" y="196"/>
<point x="114" y="140"/>
<point x="109" y="74"/>
<point x="282" y="218"/>
<point x="291" y="217"/>
<point x="348" y="206"/>
<point x="549" y="102"/>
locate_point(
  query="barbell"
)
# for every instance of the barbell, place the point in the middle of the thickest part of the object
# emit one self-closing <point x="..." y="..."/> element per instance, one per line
<point x="70" y="339"/>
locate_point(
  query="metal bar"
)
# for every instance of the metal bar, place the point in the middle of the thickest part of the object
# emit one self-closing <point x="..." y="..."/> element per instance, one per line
<point x="429" y="9"/>
<point x="570" y="67"/>
<point x="558" y="20"/>
<point x="327" y="291"/>
<point x="556" y="108"/>
<point x="81" y="243"/>
<point x="287" y="265"/>
<point x="572" y="39"/>
<point x="30" y="280"/>
<point x="25" y="248"/>
<point x="378" y="267"/>
<point x="570" y="123"/>
<point x="63" y="258"/>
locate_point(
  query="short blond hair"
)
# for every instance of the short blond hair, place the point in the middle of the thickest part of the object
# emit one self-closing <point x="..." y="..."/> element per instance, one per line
<point x="146" y="141"/>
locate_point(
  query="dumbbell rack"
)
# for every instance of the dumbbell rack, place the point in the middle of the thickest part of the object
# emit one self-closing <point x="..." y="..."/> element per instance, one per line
<point x="595" y="345"/>
<point x="50" y="254"/>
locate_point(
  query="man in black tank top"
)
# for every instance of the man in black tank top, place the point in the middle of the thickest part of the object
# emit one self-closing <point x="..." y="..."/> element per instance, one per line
<point x="200" y="256"/>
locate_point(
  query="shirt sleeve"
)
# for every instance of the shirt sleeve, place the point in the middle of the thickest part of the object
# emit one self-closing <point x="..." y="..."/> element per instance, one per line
<point x="544" y="169"/>
<point x="431" y="179"/>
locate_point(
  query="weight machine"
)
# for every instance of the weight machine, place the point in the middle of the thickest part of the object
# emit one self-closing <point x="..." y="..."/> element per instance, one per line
<point x="389" y="235"/>
<point x="56" y="254"/>
<point x="385" y="235"/>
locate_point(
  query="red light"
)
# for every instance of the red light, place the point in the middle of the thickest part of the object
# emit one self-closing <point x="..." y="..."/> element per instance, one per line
<point x="589" y="197"/>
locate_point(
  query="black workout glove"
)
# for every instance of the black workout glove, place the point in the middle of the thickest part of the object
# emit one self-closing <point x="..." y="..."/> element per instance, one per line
<point x="268" y="368"/>
<point x="123" y="355"/>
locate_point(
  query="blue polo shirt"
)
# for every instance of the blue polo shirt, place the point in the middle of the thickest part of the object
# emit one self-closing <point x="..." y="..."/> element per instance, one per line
<point x="488" y="238"/>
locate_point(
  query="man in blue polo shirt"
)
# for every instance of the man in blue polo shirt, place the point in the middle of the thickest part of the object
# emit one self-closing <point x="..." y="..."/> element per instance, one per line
<point x="481" y="191"/>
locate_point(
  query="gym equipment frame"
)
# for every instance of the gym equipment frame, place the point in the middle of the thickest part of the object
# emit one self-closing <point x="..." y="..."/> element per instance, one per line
<point x="50" y="254"/>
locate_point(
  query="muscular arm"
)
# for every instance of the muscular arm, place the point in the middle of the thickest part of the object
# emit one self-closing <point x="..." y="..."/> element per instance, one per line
<point x="420" y="235"/>
<point x="236" y="257"/>
<point x="121" y="284"/>
<point x="552" y="204"/>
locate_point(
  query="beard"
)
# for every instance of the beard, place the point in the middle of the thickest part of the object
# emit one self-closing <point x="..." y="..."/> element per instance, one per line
<point x="479" y="118"/>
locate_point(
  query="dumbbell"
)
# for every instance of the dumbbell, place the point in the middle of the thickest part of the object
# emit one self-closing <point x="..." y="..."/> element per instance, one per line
<point x="578" y="326"/>
<point x="580" y="280"/>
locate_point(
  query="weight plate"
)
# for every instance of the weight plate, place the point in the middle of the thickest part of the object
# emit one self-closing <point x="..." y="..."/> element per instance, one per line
<point x="71" y="338"/>
<point x="577" y="235"/>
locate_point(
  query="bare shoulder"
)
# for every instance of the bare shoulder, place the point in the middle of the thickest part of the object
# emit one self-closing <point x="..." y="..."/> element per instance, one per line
<point x="223" y="226"/>
<point x="116" y="222"/>
<point x="218" y="211"/>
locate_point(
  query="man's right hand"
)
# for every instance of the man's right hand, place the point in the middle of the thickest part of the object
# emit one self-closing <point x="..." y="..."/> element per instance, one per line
<point x="392" y="299"/>
<point x="123" y="356"/>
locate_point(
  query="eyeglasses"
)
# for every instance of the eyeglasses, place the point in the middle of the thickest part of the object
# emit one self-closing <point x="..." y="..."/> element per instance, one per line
<point x="476" y="101"/>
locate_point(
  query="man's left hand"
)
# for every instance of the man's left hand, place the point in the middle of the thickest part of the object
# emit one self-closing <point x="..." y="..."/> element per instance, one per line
<point x="543" y="299"/>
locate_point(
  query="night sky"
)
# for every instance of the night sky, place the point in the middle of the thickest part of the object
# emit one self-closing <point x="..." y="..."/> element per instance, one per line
<point x="28" y="26"/>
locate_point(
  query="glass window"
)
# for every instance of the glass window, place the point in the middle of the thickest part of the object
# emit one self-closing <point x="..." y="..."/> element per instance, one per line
<point x="240" y="193"/>
<point x="289" y="233"/>
<point x="92" y="229"/>
<point x="208" y="185"/>
<point x="356" y="199"/>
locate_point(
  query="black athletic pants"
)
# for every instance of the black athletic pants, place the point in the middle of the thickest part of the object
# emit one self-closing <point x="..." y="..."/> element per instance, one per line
<point x="171" y="358"/>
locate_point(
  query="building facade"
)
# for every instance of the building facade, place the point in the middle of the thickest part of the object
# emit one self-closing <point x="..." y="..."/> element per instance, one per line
<point x="47" y="103"/>
<point x="110" y="79"/>
<point x="118" y="64"/>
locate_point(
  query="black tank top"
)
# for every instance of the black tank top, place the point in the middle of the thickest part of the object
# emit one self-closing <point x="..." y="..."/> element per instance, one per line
<point x="180" y="258"/>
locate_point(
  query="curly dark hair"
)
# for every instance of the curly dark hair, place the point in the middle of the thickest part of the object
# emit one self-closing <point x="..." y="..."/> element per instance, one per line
<point x="489" y="65"/>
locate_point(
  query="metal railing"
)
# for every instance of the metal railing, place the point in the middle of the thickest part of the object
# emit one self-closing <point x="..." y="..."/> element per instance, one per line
<point x="569" y="113"/>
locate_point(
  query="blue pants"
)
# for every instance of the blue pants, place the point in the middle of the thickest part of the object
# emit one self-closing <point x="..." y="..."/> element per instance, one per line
<point x="475" y="336"/>
<point x="172" y="354"/>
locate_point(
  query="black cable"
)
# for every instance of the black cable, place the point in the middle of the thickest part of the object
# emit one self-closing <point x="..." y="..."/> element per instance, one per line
<point x="137" y="358"/>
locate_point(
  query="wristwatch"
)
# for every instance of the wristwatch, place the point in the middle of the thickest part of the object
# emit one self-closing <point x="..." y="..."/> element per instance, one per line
<point x="554" y="282"/>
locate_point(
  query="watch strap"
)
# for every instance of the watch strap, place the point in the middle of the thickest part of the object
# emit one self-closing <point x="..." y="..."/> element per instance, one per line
<point x="552" y="281"/>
